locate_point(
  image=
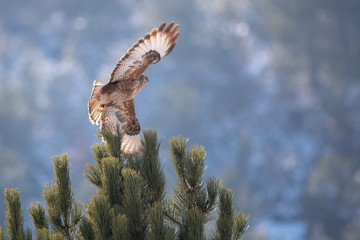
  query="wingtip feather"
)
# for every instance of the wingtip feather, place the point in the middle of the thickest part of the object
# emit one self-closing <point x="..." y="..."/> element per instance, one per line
<point x="167" y="29"/>
<point x="161" y="39"/>
<point x="161" y="27"/>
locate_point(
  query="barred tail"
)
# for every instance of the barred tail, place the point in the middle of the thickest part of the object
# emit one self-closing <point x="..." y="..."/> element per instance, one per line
<point x="131" y="143"/>
<point x="94" y="105"/>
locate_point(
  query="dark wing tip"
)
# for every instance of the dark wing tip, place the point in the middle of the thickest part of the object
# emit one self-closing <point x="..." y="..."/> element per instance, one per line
<point x="172" y="42"/>
<point x="167" y="29"/>
<point x="174" y="37"/>
<point x="125" y="56"/>
<point x="153" y="32"/>
<point x="174" y="29"/>
<point x="170" y="48"/>
<point x="133" y="47"/>
<point x="161" y="27"/>
<point x="147" y="36"/>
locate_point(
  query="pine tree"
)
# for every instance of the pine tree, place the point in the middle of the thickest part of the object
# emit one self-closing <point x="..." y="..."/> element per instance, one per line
<point x="14" y="218"/>
<point x="63" y="213"/>
<point x="130" y="202"/>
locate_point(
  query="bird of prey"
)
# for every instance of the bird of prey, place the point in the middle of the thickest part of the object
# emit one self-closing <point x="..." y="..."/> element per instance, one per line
<point x="112" y="104"/>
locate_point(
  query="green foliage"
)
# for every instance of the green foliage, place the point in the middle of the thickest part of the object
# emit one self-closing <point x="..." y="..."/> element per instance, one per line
<point x="64" y="213"/>
<point x="119" y="228"/>
<point x="42" y="233"/>
<point x="134" y="204"/>
<point x="2" y="237"/>
<point x="212" y="186"/>
<point x="225" y="221"/>
<point x="56" y="236"/>
<point x="151" y="170"/>
<point x="156" y="219"/>
<point x="193" y="225"/>
<point x="241" y="224"/>
<point x="110" y="179"/>
<point x="14" y="216"/>
<point x="86" y="230"/>
<point x="190" y="192"/>
<point x="100" y="217"/>
<point x="93" y="172"/>
<point x="38" y="216"/>
<point x="230" y="225"/>
<point x="132" y="184"/>
<point x="130" y="202"/>
<point x="28" y="233"/>
<point x="113" y="142"/>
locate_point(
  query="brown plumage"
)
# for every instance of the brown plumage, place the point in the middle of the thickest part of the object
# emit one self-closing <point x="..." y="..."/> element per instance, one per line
<point x="112" y="104"/>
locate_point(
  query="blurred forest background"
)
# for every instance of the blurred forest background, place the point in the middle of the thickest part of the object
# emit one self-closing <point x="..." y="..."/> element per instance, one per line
<point x="271" y="88"/>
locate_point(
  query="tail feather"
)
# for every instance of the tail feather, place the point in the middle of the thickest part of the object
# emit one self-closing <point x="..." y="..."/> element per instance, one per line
<point x="94" y="105"/>
<point x="131" y="143"/>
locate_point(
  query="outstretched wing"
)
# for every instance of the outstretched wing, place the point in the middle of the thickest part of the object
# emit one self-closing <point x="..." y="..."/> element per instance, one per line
<point x="123" y="115"/>
<point x="147" y="51"/>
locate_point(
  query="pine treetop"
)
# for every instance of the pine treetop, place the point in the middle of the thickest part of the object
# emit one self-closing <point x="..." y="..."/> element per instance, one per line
<point x="131" y="201"/>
